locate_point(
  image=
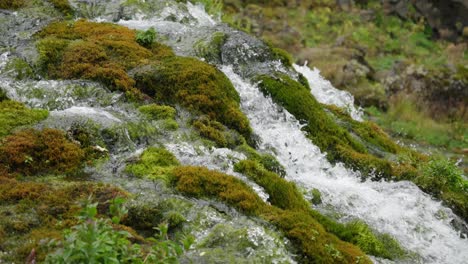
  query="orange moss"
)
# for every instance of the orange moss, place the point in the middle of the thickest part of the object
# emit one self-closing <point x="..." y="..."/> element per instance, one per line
<point x="98" y="51"/>
<point x="48" y="151"/>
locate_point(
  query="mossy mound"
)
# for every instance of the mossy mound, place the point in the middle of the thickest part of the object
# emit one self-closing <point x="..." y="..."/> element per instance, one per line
<point x="195" y="85"/>
<point x="14" y="114"/>
<point x="97" y="51"/>
<point x="33" y="213"/>
<point x="154" y="163"/>
<point x="314" y="244"/>
<point x="157" y="112"/>
<point x="32" y="152"/>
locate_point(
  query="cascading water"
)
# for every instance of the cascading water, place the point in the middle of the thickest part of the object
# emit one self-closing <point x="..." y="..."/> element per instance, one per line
<point x="419" y="223"/>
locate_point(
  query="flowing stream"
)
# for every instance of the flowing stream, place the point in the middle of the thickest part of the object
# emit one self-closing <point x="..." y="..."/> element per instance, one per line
<point x="421" y="224"/>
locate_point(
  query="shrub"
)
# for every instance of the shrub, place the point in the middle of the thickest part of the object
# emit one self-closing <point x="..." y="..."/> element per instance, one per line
<point x="14" y="114"/>
<point x="47" y="151"/>
<point x="440" y="174"/>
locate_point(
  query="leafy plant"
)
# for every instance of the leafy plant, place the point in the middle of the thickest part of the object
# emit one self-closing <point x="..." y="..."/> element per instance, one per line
<point x="95" y="241"/>
<point x="146" y="38"/>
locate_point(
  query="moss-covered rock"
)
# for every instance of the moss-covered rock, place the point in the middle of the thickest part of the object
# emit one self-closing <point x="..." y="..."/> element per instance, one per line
<point x="12" y="4"/>
<point x="14" y="114"/>
<point x="196" y="85"/>
<point x="157" y="112"/>
<point x="98" y="51"/>
<point x="33" y="152"/>
<point x="154" y="163"/>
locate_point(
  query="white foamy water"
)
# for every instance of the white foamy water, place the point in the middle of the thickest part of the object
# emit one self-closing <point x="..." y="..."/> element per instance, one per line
<point x="325" y="93"/>
<point x="419" y="223"/>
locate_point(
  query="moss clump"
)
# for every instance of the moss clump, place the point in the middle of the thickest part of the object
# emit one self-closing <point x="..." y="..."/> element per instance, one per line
<point x="157" y="112"/>
<point x="63" y="6"/>
<point x="298" y="100"/>
<point x="48" y="151"/>
<point x="197" y="86"/>
<point x="12" y="4"/>
<point x="200" y="182"/>
<point x="217" y="132"/>
<point x="283" y="194"/>
<point x="154" y="163"/>
<point x="43" y="210"/>
<point x="14" y="114"/>
<point x="297" y="224"/>
<point x="98" y="51"/>
<point x="269" y="162"/>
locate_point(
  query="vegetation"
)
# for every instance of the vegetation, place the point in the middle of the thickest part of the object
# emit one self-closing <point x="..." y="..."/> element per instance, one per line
<point x="146" y="38"/>
<point x="12" y="4"/>
<point x="33" y="152"/>
<point x="88" y="50"/>
<point x="63" y="6"/>
<point x="98" y="240"/>
<point x="157" y="112"/>
<point x="14" y="114"/>
<point x="211" y="50"/>
<point x="197" y="86"/>
<point x="154" y="163"/>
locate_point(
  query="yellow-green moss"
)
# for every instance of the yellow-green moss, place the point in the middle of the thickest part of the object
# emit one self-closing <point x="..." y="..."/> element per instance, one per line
<point x="217" y="132"/>
<point x="268" y="161"/>
<point x="156" y="112"/>
<point x="211" y="50"/>
<point x="196" y="85"/>
<point x="12" y="4"/>
<point x="282" y="193"/>
<point x="154" y="163"/>
<point x="63" y="6"/>
<point x="14" y="114"/>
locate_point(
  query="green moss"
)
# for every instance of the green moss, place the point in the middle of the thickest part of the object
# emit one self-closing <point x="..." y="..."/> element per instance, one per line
<point x="211" y="50"/>
<point x="200" y="182"/>
<point x="197" y="86"/>
<point x="298" y="224"/>
<point x="269" y="162"/>
<point x="14" y="114"/>
<point x="154" y="163"/>
<point x="157" y="112"/>
<point x="283" y="194"/>
<point x="12" y="4"/>
<point x="217" y="132"/>
<point x="316" y="196"/>
<point x="63" y="6"/>
<point x="298" y="100"/>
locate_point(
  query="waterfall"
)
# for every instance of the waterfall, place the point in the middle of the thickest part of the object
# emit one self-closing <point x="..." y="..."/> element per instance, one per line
<point x="419" y="223"/>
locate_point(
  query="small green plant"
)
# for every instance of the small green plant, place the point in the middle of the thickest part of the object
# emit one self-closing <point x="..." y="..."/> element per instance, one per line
<point x="95" y="241"/>
<point x="441" y="174"/>
<point x="146" y="38"/>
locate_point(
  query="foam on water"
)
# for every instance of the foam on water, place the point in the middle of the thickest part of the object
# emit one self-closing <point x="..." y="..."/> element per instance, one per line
<point x="419" y="223"/>
<point x="325" y="93"/>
